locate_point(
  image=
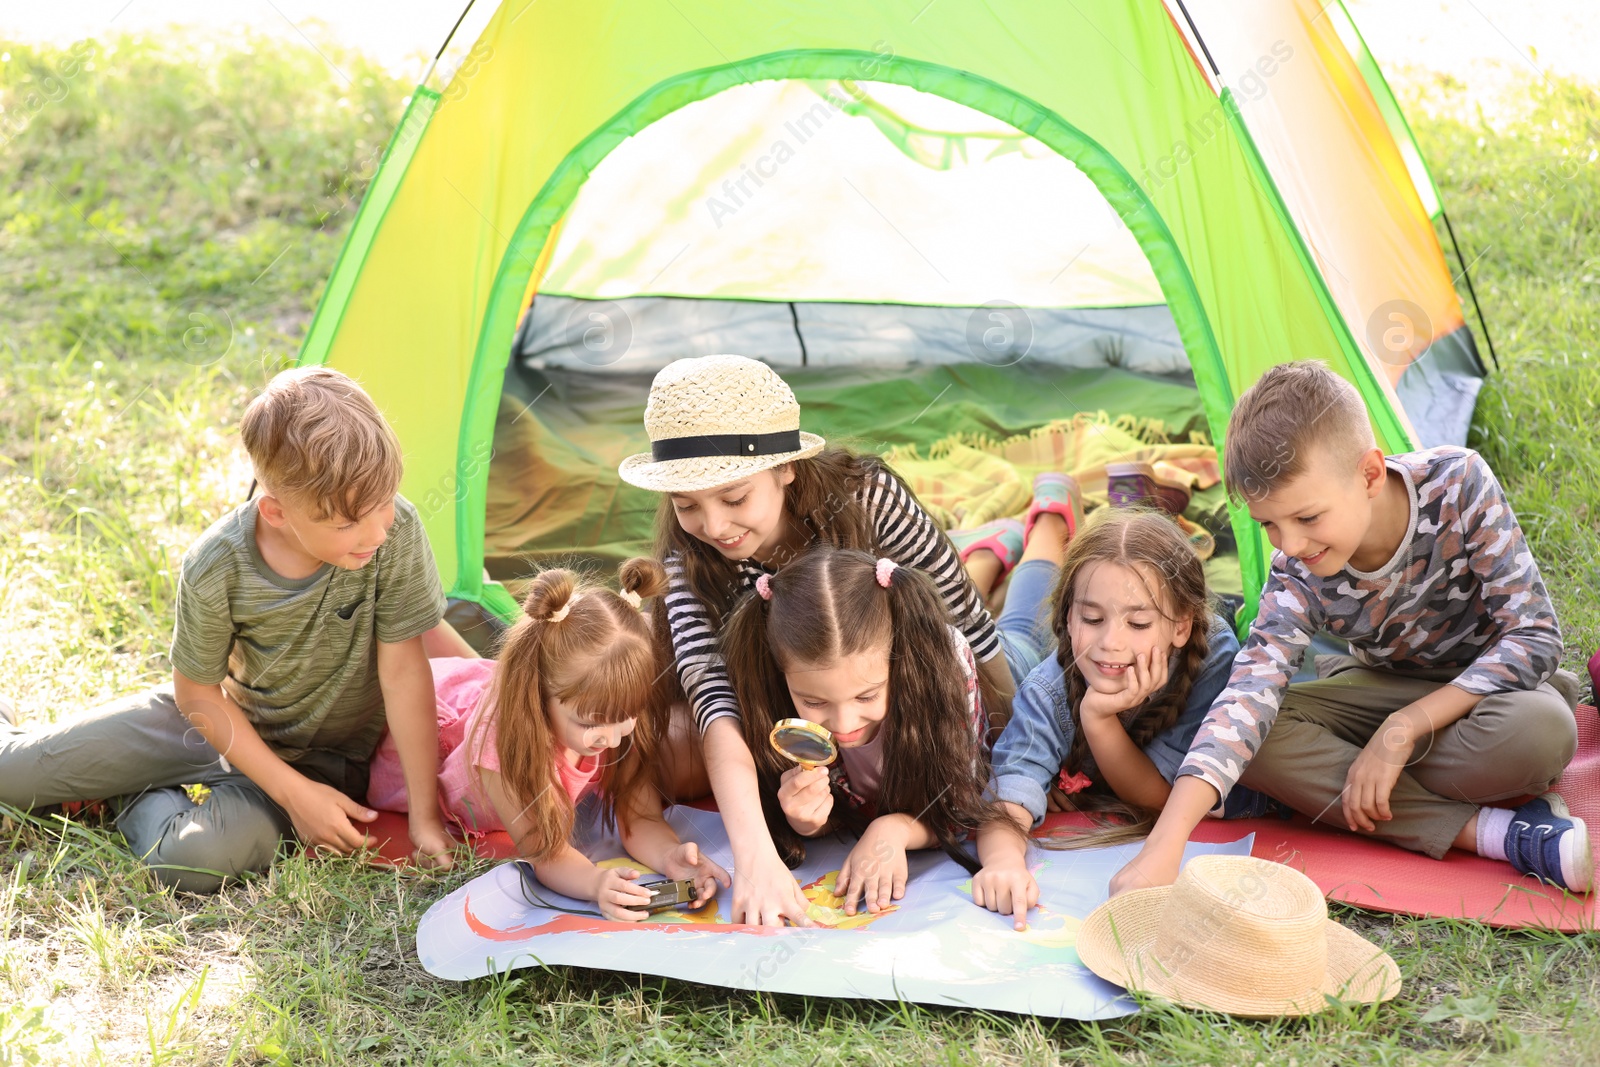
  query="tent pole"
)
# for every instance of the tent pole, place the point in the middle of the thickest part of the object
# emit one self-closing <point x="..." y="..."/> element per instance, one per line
<point x="1472" y="292"/>
<point x="795" y="316"/>
<point x="448" y="38"/>
<point x="1196" y="31"/>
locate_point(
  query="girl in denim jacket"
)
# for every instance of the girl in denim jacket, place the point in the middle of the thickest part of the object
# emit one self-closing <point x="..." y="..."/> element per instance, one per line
<point x="1141" y="655"/>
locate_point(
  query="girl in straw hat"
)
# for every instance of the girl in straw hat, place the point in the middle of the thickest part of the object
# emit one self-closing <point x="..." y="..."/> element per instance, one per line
<point x="863" y="648"/>
<point x="744" y="490"/>
<point x="565" y="720"/>
<point x="1140" y="656"/>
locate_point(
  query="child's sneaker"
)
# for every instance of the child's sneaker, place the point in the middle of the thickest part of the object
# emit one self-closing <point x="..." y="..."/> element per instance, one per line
<point x="1548" y="842"/>
<point x="1200" y="539"/>
<point x="1133" y="484"/>
<point x="1056" y="494"/>
<point x="1003" y="537"/>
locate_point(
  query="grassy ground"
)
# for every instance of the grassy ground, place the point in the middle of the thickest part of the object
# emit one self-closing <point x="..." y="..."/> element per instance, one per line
<point x="166" y="219"/>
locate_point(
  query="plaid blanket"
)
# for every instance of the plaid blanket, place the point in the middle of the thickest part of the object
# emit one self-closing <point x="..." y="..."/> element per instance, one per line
<point x="966" y="480"/>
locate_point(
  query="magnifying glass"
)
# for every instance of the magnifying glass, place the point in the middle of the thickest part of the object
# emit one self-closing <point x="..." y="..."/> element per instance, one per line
<point x="804" y="742"/>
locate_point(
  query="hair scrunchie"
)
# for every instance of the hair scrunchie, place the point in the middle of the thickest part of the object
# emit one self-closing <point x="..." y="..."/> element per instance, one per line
<point x="764" y="587"/>
<point x="564" y="610"/>
<point x="634" y="599"/>
<point x="886" y="568"/>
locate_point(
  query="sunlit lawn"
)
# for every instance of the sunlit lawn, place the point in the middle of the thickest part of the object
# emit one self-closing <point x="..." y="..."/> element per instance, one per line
<point x="169" y="185"/>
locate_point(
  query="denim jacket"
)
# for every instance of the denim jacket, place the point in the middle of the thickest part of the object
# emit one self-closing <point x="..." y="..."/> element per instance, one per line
<point x="1029" y="754"/>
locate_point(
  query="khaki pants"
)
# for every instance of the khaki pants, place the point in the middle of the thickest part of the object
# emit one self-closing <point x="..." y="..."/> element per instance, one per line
<point x="139" y="752"/>
<point x="1510" y="745"/>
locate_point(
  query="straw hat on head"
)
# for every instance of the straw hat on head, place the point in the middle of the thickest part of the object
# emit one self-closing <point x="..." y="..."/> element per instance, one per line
<point x="714" y="420"/>
<point x="1235" y="934"/>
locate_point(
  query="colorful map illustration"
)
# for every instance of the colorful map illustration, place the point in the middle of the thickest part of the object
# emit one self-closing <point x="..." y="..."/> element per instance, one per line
<point x="933" y="947"/>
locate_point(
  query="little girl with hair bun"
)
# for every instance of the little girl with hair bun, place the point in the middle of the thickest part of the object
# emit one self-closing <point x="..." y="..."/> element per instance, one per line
<point x="566" y="719"/>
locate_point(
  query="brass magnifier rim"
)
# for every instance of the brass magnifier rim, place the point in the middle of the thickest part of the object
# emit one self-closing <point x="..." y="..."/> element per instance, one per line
<point x="804" y="726"/>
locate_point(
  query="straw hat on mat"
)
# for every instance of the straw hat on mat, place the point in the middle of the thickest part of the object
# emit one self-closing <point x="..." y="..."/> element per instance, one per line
<point x="714" y="420"/>
<point x="1235" y="934"/>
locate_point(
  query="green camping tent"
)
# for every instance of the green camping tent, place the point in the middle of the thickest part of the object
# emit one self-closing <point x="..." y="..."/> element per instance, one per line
<point x="930" y="217"/>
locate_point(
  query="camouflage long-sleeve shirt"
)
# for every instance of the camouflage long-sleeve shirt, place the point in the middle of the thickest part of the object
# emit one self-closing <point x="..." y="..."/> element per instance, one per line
<point x="1462" y="591"/>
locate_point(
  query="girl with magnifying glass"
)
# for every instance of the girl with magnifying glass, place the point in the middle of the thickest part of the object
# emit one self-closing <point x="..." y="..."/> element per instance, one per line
<point x="744" y="492"/>
<point x="848" y="665"/>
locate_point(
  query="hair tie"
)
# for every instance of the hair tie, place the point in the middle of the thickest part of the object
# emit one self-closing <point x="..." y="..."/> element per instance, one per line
<point x="886" y="568"/>
<point x="633" y="598"/>
<point x="764" y="587"/>
<point x="564" y="610"/>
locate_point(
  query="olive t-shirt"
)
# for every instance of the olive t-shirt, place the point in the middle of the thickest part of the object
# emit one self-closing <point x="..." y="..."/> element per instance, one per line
<point x="300" y="656"/>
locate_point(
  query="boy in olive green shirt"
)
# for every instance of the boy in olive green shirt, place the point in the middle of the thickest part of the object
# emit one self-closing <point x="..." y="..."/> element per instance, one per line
<point x="301" y="623"/>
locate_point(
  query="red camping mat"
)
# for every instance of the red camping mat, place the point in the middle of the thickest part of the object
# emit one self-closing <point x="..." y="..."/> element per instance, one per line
<point x="1371" y="874"/>
<point x="394" y="842"/>
<point x="1350" y="869"/>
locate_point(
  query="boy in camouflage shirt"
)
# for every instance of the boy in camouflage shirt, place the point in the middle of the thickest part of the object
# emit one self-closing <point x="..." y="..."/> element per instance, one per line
<point x="1445" y="705"/>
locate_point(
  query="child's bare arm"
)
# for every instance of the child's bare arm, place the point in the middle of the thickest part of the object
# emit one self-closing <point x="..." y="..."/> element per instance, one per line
<point x="1005" y="884"/>
<point x="443" y="640"/>
<point x="767" y="893"/>
<point x="615" y="889"/>
<point x="567" y="871"/>
<point x="1128" y="771"/>
<point x="408" y="702"/>
<point x="649" y="839"/>
<point x="1158" y="861"/>
<point x="322" y="816"/>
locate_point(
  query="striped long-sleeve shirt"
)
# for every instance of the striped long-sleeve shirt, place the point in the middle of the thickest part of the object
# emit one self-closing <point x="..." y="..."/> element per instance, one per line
<point x="904" y="533"/>
<point x="1462" y="590"/>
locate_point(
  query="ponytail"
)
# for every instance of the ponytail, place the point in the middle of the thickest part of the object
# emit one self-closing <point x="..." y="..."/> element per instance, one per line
<point x="830" y="603"/>
<point x="567" y="621"/>
<point x="639" y="579"/>
<point x="763" y="696"/>
<point x="933" y="762"/>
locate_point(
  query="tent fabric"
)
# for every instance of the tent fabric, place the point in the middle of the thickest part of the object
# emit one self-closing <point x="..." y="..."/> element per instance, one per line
<point x="646" y="333"/>
<point x="468" y="217"/>
<point x="1328" y="147"/>
<point x="1399" y="128"/>
<point x="736" y="218"/>
<point x="563" y="431"/>
<point x="1440" y="388"/>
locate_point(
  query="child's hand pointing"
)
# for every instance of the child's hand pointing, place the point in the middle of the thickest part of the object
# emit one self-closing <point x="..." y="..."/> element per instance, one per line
<point x="1007" y="889"/>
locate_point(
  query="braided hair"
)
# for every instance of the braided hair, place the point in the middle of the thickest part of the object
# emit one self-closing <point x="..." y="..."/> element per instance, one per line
<point x="1152" y="547"/>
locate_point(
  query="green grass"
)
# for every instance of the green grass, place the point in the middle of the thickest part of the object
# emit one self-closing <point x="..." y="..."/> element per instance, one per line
<point x="169" y="180"/>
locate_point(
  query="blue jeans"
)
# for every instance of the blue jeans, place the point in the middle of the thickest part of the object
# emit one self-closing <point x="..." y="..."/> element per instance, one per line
<point x="1024" y="623"/>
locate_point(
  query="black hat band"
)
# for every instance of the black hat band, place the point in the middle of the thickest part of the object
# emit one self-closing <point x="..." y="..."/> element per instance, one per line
<point x="725" y="444"/>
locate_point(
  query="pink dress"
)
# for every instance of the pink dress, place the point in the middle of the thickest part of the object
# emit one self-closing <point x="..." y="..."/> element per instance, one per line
<point x="459" y="686"/>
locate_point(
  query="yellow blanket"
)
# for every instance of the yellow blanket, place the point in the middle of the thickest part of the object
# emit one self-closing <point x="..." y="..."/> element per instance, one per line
<point x="967" y="480"/>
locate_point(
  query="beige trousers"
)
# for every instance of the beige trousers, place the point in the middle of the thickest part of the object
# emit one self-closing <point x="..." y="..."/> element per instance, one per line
<point x="1509" y="745"/>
